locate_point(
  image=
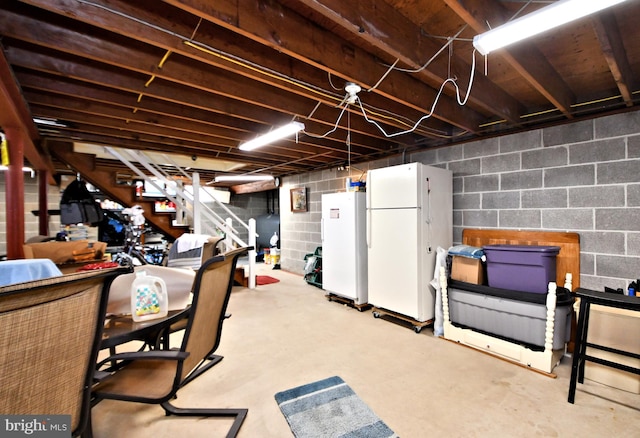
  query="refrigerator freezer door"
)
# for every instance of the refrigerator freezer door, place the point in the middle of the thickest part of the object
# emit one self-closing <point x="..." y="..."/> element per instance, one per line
<point x="394" y="275"/>
<point x="394" y="187"/>
<point x="344" y="253"/>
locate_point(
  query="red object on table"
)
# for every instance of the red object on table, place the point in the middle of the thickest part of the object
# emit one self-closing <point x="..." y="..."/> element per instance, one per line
<point x="101" y="265"/>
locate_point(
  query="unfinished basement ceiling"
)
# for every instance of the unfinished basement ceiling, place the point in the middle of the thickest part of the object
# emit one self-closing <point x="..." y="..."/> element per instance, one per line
<point x="198" y="77"/>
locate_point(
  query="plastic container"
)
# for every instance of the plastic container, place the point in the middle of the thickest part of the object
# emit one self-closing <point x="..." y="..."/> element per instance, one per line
<point x="275" y="256"/>
<point x="267" y="256"/>
<point x="519" y="318"/>
<point x="521" y="267"/>
<point x="148" y="297"/>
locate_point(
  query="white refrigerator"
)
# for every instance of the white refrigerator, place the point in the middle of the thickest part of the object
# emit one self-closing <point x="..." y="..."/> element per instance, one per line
<point x="409" y="214"/>
<point x="344" y="247"/>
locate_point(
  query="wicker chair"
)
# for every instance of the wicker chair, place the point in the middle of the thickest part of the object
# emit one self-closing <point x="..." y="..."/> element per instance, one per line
<point x="50" y="332"/>
<point x="155" y="376"/>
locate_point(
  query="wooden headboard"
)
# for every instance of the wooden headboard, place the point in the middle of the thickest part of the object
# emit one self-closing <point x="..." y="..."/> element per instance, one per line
<point x="568" y="259"/>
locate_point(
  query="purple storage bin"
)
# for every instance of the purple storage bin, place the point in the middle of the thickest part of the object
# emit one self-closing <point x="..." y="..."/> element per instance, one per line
<point x="521" y="267"/>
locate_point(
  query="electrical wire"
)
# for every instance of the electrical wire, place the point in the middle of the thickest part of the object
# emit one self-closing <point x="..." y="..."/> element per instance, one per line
<point x="384" y="76"/>
<point x="380" y="114"/>
<point x="331" y="131"/>
<point x="520" y="10"/>
<point x="259" y="69"/>
<point x="331" y="82"/>
<point x="216" y="52"/>
<point x="193" y="35"/>
<point x="449" y="41"/>
<point x="276" y="75"/>
<point x="461" y="102"/>
<point x="349" y="142"/>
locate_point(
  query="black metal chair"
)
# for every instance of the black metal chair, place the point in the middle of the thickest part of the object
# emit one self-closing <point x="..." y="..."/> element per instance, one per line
<point x="155" y="376"/>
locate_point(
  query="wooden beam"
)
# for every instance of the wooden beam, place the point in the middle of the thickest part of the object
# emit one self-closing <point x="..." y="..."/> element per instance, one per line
<point x="253" y="187"/>
<point x="117" y="54"/>
<point x="157" y="104"/>
<point x="397" y="36"/>
<point x="606" y="28"/>
<point x="285" y="31"/>
<point x="14" y="193"/>
<point x="15" y="115"/>
<point x="212" y="138"/>
<point x="105" y="181"/>
<point x="221" y="99"/>
<point x="528" y="61"/>
<point x="43" y="204"/>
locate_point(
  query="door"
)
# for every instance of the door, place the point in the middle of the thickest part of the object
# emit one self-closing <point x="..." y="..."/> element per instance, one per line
<point x="394" y="239"/>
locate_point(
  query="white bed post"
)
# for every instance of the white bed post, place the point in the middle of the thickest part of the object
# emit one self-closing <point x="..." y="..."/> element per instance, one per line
<point x="446" y="322"/>
<point x="568" y="281"/>
<point x="551" y="316"/>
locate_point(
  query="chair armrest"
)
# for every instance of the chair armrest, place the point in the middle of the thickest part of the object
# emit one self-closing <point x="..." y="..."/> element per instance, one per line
<point x="140" y="355"/>
<point x="151" y="354"/>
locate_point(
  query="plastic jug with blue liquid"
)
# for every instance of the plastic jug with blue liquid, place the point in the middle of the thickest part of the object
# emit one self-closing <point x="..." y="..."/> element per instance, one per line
<point x="148" y="297"/>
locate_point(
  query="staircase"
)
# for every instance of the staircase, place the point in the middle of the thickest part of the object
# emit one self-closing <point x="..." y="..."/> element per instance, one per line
<point x="104" y="180"/>
<point x="193" y="216"/>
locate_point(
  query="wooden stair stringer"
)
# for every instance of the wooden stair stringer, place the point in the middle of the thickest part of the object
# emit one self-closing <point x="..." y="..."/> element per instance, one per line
<point x="105" y="181"/>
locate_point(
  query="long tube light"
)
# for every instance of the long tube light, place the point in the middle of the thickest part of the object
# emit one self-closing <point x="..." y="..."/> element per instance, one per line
<point x="24" y="169"/>
<point x="49" y="122"/>
<point x="272" y="136"/>
<point x="230" y="178"/>
<point x="549" y="17"/>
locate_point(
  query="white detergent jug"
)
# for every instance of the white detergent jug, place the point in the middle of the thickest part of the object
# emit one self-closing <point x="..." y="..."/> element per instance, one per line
<point x="148" y="297"/>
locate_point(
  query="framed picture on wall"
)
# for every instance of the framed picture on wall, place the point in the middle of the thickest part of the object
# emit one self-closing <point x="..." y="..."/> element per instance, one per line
<point x="298" y="199"/>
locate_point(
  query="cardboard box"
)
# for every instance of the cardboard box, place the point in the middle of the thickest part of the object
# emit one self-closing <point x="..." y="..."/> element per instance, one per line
<point x="467" y="269"/>
<point x="62" y="252"/>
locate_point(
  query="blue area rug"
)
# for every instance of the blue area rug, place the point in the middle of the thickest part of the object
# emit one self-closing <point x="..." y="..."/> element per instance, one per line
<point x="330" y="408"/>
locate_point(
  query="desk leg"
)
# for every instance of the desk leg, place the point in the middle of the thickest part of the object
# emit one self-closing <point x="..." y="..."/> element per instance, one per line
<point x="580" y="348"/>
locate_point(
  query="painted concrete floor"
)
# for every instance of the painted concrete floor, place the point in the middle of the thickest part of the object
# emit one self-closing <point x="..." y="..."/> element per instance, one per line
<point x="287" y="334"/>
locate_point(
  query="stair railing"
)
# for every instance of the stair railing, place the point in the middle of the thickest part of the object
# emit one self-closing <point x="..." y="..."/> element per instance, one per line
<point x="188" y="205"/>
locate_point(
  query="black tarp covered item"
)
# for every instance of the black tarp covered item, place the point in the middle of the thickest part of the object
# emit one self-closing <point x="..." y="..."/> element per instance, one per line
<point x="77" y="206"/>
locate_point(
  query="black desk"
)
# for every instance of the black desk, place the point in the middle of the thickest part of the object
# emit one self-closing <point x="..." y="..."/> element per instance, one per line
<point x="580" y="356"/>
<point x="122" y="329"/>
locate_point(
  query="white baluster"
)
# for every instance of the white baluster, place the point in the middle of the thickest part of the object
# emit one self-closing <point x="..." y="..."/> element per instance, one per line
<point x="568" y="281"/>
<point x="445" y="297"/>
<point x="551" y="315"/>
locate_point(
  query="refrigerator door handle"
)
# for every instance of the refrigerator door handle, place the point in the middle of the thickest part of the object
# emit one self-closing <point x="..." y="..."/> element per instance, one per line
<point x="322" y="229"/>
<point x="368" y="207"/>
<point x="368" y="228"/>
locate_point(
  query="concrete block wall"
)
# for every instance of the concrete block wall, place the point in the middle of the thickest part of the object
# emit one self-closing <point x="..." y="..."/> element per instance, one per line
<point x="30" y="203"/>
<point x="301" y="233"/>
<point x="244" y="206"/>
<point x="581" y="177"/>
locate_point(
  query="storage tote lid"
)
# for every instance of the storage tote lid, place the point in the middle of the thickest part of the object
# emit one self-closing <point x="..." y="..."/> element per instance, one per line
<point x="548" y="250"/>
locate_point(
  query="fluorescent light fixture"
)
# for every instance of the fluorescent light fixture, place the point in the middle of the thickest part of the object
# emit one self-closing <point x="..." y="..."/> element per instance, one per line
<point x="272" y="136"/>
<point x="549" y="17"/>
<point x="24" y="169"/>
<point x="49" y="122"/>
<point x="235" y="178"/>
